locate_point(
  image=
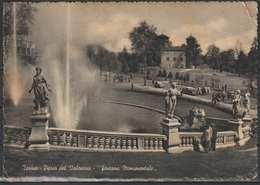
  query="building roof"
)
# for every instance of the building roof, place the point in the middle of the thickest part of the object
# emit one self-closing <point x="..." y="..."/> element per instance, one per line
<point x="163" y="36"/>
<point x="175" y="48"/>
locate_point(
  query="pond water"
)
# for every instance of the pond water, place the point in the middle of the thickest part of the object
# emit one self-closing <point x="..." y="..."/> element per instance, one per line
<point x="113" y="117"/>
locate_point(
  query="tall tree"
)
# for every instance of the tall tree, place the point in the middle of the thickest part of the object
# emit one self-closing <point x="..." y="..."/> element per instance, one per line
<point x="253" y="58"/>
<point x="227" y="60"/>
<point x="239" y="54"/>
<point x="213" y="56"/>
<point x="145" y="43"/>
<point x="24" y="17"/>
<point x="124" y="57"/>
<point x="194" y="53"/>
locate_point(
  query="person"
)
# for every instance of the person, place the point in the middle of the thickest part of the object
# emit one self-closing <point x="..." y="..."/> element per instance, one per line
<point x="214" y="98"/>
<point x="41" y="97"/>
<point x="173" y="92"/>
<point x="235" y="101"/>
<point x="214" y="138"/>
<point x="132" y="86"/>
<point x="206" y="139"/>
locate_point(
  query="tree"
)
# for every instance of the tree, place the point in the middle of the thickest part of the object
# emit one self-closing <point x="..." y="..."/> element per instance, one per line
<point x="124" y="57"/>
<point x="194" y="52"/>
<point x="170" y="75"/>
<point x="164" y="73"/>
<point x="160" y="73"/>
<point x="213" y="56"/>
<point x="239" y="54"/>
<point x="145" y="43"/>
<point x="24" y="18"/>
<point x="227" y="60"/>
<point x="253" y="59"/>
<point x="102" y="58"/>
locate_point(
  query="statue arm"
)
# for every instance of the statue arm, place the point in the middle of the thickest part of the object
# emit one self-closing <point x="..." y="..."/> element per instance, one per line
<point x="31" y="87"/>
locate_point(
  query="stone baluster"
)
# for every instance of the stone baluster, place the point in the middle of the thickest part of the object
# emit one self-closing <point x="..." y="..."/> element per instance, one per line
<point x="89" y="142"/>
<point x="134" y="144"/>
<point x="151" y="144"/>
<point x="74" y="140"/>
<point x="146" y="143"/>
<point x="95" y="142"/>
<point x="6" y="138"/>
<point x="186" y="141"/>
<point x="156" y="144"/>
<point x="129" y="143"/>
<point x="160" y="144"/>
<point x="61" y="138"/>
<point x="118" y="143"/>
<point x="67" y="139"/>
<point x="12" y="136"/>
<point x="190" y="141"/>
<point x="18" y="138"/>
<point x="123" y="143"/>
<point x="107" y="141"/>
<point x="101" y="142"/>
<point x="113" y="142"/>
<point x="55" y="138"/>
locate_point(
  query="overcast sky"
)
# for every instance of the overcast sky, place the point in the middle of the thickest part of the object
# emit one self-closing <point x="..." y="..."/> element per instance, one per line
<point x="108" y="24"/>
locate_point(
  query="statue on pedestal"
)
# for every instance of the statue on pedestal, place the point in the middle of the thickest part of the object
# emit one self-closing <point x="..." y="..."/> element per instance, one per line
<point x="171" y="100"/>
<point x="236" y="101"/>
<point x="41" y="97"/>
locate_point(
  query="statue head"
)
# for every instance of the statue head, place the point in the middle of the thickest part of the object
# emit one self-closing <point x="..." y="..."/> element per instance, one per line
<point x="38" y="70"/>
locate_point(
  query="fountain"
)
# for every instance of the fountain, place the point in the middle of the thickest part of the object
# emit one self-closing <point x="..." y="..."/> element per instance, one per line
<point x="70" y="90"/>
<point x="14" y="86"/>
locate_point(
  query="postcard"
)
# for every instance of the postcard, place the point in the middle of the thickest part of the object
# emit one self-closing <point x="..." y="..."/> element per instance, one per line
<point x="130" y="91"/>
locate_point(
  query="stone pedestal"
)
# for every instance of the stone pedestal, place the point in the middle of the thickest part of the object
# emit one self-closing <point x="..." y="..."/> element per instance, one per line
<point x="236" y="125"/>
<point x="38" y="139"/>
<point x="170" y="129"/>
<point x="247" y="120"/>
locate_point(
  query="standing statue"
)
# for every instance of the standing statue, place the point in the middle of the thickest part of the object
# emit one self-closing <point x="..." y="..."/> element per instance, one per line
<point x="172" y="100"/>
<point x="41" y="97"/>
<point x="236" y="100"/>
<point x="246" y="104"/>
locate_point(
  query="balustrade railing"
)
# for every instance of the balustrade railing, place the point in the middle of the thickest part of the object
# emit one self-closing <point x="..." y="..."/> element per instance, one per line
<point x="189" y="139"/>
<point x="105" y="140"/>
<point x="14" y="135"/>
<point x="222" y="124"/>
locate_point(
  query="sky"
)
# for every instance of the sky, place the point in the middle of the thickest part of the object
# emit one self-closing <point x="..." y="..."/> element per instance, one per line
<point x="221" y="23"/>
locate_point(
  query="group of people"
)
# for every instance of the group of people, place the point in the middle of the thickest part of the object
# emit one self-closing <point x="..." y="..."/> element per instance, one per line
<point x="209" y="138"/>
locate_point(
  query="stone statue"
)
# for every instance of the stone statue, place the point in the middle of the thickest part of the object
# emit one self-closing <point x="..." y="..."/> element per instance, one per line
<point x="236" y="101"/>
<point x="41" y="97"/>
<point x="246" y="104"/>
<point x="171" y="99"/>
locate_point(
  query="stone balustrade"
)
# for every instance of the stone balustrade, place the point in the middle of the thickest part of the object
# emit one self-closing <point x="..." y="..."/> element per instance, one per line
<point x="222" y="124"/>
<point x="100" y="140"/>
<point x="189" y="139"/>
<point x="16" y="136"/>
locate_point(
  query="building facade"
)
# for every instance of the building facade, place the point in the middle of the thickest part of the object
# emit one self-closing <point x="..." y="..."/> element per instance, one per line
<point x="174" y="57"/>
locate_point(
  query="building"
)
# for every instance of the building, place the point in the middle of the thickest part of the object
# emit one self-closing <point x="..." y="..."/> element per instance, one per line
<point x="172" y="56"/>
<point x="26" y="50"/>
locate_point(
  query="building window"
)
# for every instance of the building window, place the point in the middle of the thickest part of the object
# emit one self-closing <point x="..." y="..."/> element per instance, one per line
<point x="174" y="59"/>
<point x="167" y="58"/>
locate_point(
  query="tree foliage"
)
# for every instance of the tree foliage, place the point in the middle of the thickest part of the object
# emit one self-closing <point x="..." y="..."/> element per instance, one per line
<point x="101" y="57"/>
<point x="213" y="56"/>
<point x="146" y="44"/>
<point x="193" y="51"/>
<point x="24" y="18"/>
